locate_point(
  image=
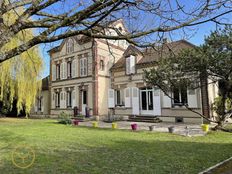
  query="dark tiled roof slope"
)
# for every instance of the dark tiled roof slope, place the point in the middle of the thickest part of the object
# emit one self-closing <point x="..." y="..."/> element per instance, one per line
<point x="152" y="55"/>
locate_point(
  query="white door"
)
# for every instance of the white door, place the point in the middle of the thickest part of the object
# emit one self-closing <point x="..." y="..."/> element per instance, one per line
<point x="84" y="101"/>
<point x="146" y="101"/>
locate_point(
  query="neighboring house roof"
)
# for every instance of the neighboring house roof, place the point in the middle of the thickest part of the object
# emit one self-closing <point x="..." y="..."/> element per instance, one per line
<point x="45" y="83"/>
<point x="152" y="55"/>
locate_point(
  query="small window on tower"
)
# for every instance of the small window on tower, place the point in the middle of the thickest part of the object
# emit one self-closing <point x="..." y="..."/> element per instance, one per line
<point x="102" y="65"/>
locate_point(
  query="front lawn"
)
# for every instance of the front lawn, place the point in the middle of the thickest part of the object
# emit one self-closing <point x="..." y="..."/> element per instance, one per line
<point x="68" y="149"/>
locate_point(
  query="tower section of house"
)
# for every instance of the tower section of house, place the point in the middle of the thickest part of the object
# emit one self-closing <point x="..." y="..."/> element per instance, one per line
<point x="80" y="72"/>
<point x="42" y="100"/>
<point x="130" y="95"/>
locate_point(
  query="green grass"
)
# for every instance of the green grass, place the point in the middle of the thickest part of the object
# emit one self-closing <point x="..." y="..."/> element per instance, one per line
<point x="68" y="149"/>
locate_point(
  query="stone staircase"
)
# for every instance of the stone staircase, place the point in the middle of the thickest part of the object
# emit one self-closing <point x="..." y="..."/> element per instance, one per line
<point x="149" y="119"/>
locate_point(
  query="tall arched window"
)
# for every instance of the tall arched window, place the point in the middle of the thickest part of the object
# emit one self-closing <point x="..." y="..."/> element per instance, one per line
<point x="69" y="46"/>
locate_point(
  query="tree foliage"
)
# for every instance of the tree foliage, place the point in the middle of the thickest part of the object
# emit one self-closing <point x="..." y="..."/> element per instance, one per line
<point x="211" y="61"/>
<point x="19" y="77"/>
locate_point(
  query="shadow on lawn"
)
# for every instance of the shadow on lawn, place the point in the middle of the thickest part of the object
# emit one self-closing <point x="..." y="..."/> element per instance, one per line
<point x="125" y="156"/>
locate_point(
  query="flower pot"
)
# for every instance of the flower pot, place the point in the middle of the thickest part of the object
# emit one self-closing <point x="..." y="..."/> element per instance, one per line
<point x="95" y="124"/>
<point x="114" y="125"/>
<point x="134" y="126"/>
<point x="205" y="127"/>
<point x="151" y="128"/>
<point x="76" y="122"/>
<point x="171" y="129"/>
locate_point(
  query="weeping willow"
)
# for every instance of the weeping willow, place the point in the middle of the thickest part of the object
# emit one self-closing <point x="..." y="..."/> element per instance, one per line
<point x="20" y="76"/>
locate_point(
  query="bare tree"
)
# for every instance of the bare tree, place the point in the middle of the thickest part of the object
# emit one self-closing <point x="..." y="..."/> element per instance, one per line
<point x="147" y="20"/>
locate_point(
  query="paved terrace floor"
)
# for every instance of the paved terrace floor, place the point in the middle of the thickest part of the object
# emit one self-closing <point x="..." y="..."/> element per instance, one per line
<point x="193" y="129"/>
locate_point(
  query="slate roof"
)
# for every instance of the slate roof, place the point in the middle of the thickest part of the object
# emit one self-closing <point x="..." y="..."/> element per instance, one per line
<point x="152" y="55"/>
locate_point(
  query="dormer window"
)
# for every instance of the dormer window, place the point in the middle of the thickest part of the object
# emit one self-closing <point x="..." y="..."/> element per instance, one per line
<point x="130" y="65"/>
<point x="69" y="46"/>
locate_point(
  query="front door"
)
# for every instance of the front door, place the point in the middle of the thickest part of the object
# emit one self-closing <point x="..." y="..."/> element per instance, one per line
<point x="84" y="101"/>
<point x="146" y="101"/>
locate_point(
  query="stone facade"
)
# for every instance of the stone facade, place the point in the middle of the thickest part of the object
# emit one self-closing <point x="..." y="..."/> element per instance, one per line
<point x="99" y="74"/>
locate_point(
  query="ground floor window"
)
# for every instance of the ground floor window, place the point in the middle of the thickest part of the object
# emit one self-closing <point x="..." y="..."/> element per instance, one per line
<point x="84" y="97"/>
<point x="69" y="99"/>
<point x="39" y="103"/>
<point x="119" y="97"/>
<point x="146" y="95"/>
<point x="180" y="96"/>
<point x="57" y="99"/>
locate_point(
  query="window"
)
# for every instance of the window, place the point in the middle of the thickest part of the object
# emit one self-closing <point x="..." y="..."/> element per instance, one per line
<point x="102" y="65"/>
<point x="119" y="97"/>
<point x="180" y="96"/>
<point x="130" y="65"/>
<point x="69" y="68"/>
<point x="84" y="93"/>
<point x="70" y="46"/>
<point x="39" y="103"/>
<point x="58" y="72"/>
<point x="83" y="67"/>
<point x="57" y="101"/>
<point x="69" y="99"/>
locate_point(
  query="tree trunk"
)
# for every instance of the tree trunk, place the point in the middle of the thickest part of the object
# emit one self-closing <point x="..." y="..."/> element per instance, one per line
<point x="204" y="96"/>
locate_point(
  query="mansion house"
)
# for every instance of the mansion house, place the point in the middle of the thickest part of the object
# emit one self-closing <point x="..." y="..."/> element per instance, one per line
<point x="102" y="74"/>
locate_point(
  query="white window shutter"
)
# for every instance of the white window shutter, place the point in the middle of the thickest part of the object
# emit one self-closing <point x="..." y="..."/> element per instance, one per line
<point x="132" y="64"/>
<point x="64" y="70"/>
<point x="192" y="98"/>
<point x="111" y="103"/>
<point x="74" y="98"/>
<point x="61" y="99"/>
<point x="74" y="72"/>
<point x="135" y="101"/>
<point x="127" y="65"/>
<point x="53" y="100"/>
<point x="167" y="102"/>
<point x="156" y="102"/>
<point x="64" y="99"/>
<point x="85" y="67"/>
<point x="81" y="67"/>
<point x="127" y="97"/>
<point x="53" y="72"/>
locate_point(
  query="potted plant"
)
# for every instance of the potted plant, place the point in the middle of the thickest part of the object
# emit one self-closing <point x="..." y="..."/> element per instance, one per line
<point x="134" y="126"/>
<point x="114" y="125"/>
<point x="95" y="124"/>
<point x="171" y="129"/>
<point x="76" y="122"/>
<point x="205" y="127"/>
